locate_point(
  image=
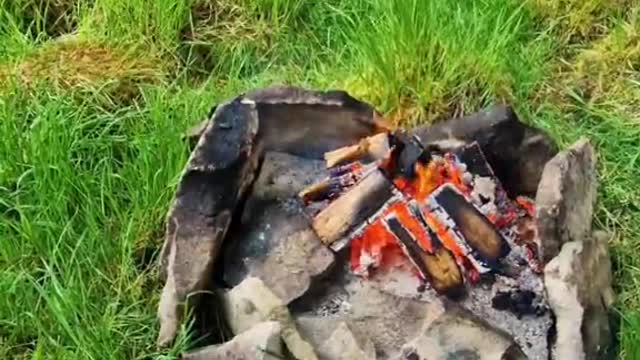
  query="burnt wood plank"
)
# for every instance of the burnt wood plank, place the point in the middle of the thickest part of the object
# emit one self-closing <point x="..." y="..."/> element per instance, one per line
<point x="353" y="207"/>
<point x="478" y="232"/>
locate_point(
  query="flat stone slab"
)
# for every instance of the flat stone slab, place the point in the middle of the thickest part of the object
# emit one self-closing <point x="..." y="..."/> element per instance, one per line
<point x="578" y="284"/>
<point x="275" y="241"/>
<point x="391" y="309"/>
<point x="566" y="198"/>
<point x="453" y="333"/>
<point x="261" y="342"/>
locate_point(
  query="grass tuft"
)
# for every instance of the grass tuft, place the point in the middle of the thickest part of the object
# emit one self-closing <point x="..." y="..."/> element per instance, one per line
<point x="51" y="18"/>
<point x="221" y="32"/>
<point x="442" y="58"/>
<point x="575" y="21"/>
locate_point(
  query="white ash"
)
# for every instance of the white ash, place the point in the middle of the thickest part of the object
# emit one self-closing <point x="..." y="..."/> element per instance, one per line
<point x="484" y="189"/>
<point x="338" y="304"/>
<point x="529" y="331"/>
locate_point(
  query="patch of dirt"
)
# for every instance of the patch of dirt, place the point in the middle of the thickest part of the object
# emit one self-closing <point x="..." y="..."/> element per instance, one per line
<point x="70" y="63"/>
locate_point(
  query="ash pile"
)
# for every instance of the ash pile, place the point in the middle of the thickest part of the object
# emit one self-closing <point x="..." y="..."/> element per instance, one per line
<point x="312" y="230"/>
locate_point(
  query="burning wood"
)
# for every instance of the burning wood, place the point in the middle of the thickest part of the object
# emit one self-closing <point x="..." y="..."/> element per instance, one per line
<point x="353" y="208"/>
<point x="375" y="147"/>
<point x="446" y="214"/>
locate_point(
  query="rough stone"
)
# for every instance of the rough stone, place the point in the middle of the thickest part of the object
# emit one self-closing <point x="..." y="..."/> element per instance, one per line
<point x="308" y="123"/>
<point x="275" y="242"/>
<point x="565" y="199"/>
<point x="335" y="338"/>
<point x="261" y="342"/>
<point x="578" y="285"/>
<point x="216" y="176"/>
<point x="252" y="302"/>
<point x="386" y="319"/>
<point x="390" y="307"/>
<point x="530" y="331"/>
<point x="453" y="333"/>
<point x="345" y="344"/>
<point x="516" y="151"/>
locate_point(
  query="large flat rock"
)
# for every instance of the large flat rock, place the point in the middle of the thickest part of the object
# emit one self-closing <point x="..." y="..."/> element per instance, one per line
<point x="261" y="342"/>
<point x="578" y="284"/>
<point x="566" y="198"/>
<point x="451" y="332"/>
<point x="218" y="173"/>
<point x="275" y="241"/>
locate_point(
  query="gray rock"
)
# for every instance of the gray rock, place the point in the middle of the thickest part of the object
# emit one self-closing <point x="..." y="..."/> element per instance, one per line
<point x="453" y="333"/>
<point x="389" y="309"/>
<point x="516" y="151"/>
<point x="578" y="285"/>
<point x="219" y="171"/>
<point x="346" y="344"/>
<point x="307" y="123"/>
<point x="317" y="329"/>
<point x="261" y="342"/>
<point x="335" y="338"/>
<point x="275" y="242"/>
<point x="252" y="302"/>
<point x="386" y="319"/>
<point x="565" y="199"/>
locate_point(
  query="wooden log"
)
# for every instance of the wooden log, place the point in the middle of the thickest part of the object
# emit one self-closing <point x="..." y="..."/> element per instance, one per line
<point x="477" y="231"/>
<point x="375" y="147"/>
<point x="315" y="191"/>
<point x="353" y="207"/>
<point x="439" y="268"/>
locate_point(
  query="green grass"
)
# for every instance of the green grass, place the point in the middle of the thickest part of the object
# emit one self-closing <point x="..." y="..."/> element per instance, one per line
<point x="94" y="95"/>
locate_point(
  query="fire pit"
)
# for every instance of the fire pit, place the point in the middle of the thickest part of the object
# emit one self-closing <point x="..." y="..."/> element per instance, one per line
<point x="325" y="234"/>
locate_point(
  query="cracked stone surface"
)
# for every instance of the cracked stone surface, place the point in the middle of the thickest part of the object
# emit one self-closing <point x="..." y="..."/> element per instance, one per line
<point x="274" y="241"/>
<point x="566" y="198"/>
<point x="252" y="302"/>
<point x="578" y="284"/>
<point x="261" y="342"/>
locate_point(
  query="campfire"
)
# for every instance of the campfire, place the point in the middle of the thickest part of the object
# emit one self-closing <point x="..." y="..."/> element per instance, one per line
<point x="445" y="211"/>
<point x="322" y="233"/>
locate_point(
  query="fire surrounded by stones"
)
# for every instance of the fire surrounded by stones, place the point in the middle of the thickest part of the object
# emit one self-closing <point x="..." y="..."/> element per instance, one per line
<point x="445" y="211"/>
<point x="324" y="234"/>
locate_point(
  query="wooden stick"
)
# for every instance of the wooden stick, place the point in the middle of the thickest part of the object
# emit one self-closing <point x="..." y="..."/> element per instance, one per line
<point x="353" y="207"/>
<point x="315" y="191"/>
<point x="376" y="147"/>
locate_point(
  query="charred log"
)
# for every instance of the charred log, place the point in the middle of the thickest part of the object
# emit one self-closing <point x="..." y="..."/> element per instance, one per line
<point x="478" y="232"/>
